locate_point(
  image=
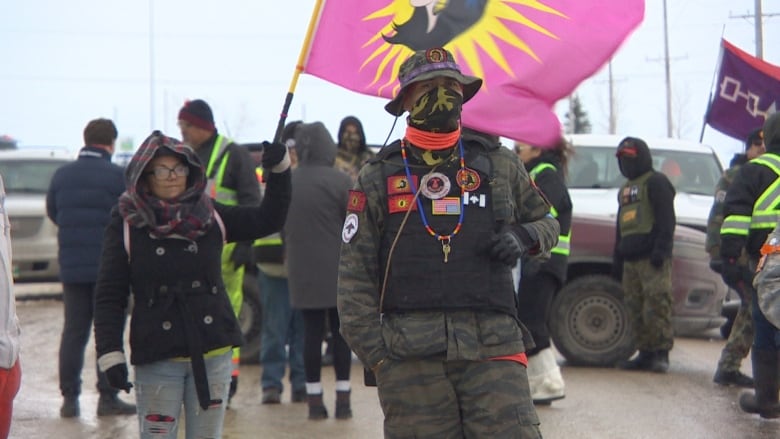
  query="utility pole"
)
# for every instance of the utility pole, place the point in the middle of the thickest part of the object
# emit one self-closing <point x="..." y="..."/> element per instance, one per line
<point x="612" y="115"/>
<point x="667" y="69"/>
<point x="151" y="66"/>
<point x="758" y="25"/>
<point x="759" y="31"/>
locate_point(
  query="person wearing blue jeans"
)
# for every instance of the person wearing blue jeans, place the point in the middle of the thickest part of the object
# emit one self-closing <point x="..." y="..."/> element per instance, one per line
<point x="282" y="326"/>
<point x="168" y="381"/>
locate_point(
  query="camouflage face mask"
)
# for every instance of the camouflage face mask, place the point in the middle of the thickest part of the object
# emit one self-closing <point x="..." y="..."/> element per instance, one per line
<point x="437" y="111"/>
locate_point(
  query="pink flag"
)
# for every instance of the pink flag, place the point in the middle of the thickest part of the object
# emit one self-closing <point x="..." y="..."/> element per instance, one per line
<point x="530" y="53"/>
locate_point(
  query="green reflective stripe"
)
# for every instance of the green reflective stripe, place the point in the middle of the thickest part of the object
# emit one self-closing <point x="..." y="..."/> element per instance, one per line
<point x="270" y="240"/>
<point x="221" y="194"/>
<point x="768" y="198"/>
<point x="769" y="160"/>
<point x="539" y="168"/>
<point x="765" y="209"/>
<point x="564" y="245"/>
<point x="736" y="225"/>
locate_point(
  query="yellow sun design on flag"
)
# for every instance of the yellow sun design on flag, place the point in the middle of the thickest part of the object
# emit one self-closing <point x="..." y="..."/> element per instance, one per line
<point x="471" y="24"/>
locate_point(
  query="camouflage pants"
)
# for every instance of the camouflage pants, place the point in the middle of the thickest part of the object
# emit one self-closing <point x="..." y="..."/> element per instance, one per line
<point x="434" y="398"/>
<point x="648" y="297"/>
<point x="741" y="338"/>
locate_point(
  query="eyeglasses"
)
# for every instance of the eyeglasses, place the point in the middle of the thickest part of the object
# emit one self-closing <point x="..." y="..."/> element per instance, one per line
<point x="164" y="172"/>
<point x="757" y="142"/>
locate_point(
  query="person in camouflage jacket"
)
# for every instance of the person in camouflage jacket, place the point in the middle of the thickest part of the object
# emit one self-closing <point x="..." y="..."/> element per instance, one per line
<point x="741" y="337"/>
<point x="434" y="225"/>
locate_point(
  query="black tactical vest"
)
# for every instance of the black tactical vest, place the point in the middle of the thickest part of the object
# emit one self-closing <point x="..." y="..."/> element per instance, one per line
<point x="419" y="278"/>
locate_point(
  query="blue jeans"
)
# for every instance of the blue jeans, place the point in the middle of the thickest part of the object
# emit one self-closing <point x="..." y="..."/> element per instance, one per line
<point x="282" y="326"/>
<point x="162" y="387"/>
<point x="766" y="337"/>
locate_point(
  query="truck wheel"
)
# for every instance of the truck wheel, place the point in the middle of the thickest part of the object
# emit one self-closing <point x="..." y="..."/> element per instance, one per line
<point x="589" y="323"/>
<point x="251" y="320"/>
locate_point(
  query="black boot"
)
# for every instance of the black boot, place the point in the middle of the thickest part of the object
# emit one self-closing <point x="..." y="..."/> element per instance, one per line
<point x="732" y="378"/>
<point x="109" y="405"/>
<point x="765" y="374"/>
<point x="233" y="388"/>
<point x="343" y="407"/>
<point x="660" y="362"/>
<point x="317" y="408"/>
<point x="70" y="407"/>
<point x="642" y="361"/>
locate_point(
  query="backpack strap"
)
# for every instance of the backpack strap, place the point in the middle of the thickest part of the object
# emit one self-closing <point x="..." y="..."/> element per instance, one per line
<point x="126" y="232"/>
<point x="221" y="226"/>
<point x="126" y="237"/>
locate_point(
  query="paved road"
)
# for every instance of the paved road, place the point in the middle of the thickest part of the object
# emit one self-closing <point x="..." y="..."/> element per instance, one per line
<point x="600" y="403"/>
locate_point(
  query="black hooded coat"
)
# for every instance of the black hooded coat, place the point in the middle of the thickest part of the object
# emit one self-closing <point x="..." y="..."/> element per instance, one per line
<point x="659" y="242"/>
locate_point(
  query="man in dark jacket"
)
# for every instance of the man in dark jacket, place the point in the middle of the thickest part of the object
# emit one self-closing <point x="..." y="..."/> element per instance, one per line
<point x="741" y="337"/>
<point x="643" y="247"/>
<point x="750" y="213"/>
<point x="231" y="180"/>
<point x="79" y="201"/>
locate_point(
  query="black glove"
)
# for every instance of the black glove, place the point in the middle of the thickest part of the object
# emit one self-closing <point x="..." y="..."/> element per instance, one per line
<point x="273" y="154"/>
<point x="731" y="272"/>
<point x="506" y="247"/>
<point x="716" y="265"/>
<point x="242" y="254"/>
<point x="117" y="377"/>
<point x="656" y="261"/>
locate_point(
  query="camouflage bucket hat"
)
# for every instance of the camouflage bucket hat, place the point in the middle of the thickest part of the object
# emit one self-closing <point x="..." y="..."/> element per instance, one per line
<point x="427" y="64"/>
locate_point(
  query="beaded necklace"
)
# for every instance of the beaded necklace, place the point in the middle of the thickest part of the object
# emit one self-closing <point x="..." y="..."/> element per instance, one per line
<point x="444" y="239"/>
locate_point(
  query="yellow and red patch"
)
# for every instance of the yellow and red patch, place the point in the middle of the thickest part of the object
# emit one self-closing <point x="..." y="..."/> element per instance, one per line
<point x="400" y="203"/>
<point x="357" y="201"/>
<point x="399" y="184"/>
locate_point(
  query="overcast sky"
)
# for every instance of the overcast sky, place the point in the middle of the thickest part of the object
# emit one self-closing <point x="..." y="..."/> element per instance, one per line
<point x="135" y="61"/>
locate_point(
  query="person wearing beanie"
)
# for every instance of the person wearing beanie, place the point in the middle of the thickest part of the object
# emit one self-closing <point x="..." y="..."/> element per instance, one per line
<point x="231" y="180"/>
<point x="79" y="200"/>
<point x="750" y="213"/>
<point x="738" y="344"/>
<point x="426" y="298"/>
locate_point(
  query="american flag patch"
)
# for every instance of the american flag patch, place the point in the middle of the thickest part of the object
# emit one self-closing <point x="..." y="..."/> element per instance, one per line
<point x="446" y="206"/>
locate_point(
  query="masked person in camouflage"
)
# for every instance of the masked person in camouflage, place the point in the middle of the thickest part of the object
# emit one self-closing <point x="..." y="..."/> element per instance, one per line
<point x="434" y="225"/>
<point x="741" y="336"/>
<point x="643" y="248"/>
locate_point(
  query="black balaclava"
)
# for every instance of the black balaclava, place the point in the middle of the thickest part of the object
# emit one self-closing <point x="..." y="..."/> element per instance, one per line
<point x="634" y="157"/>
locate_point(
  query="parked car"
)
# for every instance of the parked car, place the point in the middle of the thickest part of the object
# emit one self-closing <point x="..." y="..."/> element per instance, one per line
<point x="27" y="174"/>
<point x="594" y="176"/>
<point x="589" y="323"/>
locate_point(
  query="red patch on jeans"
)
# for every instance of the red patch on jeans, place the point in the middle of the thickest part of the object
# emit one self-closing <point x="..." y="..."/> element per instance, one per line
<point x="160" y="418"/>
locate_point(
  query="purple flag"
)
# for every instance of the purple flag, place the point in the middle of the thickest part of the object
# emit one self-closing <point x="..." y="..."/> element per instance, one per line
<point x="747" y="92"/>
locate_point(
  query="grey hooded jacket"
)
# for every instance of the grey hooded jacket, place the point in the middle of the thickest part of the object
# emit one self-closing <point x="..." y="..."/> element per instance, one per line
<point x="312" y="232"/>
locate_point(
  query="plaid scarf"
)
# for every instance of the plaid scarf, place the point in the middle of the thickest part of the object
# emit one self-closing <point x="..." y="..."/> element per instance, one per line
<point x="190" y="215"/>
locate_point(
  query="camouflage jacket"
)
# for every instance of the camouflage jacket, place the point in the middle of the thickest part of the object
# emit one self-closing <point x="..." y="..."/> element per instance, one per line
<point x="715" y="220"/>
<point x="453" y="334"/>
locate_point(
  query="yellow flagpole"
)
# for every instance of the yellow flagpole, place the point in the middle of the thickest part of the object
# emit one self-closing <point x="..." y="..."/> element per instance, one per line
<point x="315" y="15"/>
